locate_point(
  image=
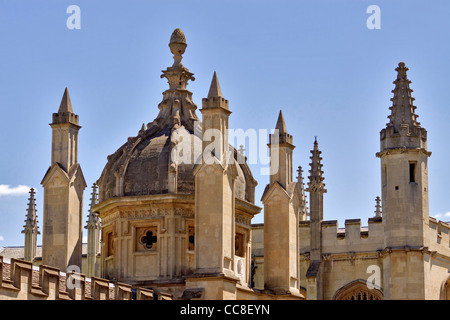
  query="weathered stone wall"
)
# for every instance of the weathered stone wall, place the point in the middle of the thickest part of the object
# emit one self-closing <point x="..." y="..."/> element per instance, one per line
<point x="19" y="280"/>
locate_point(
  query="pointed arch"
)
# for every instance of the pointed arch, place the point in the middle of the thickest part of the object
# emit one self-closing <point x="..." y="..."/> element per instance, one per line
<point x="358" y="290"/>
<point x="445" y="289"/>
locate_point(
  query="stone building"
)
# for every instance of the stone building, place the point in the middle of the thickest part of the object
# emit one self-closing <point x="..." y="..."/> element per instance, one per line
<point x="172" y="215"/>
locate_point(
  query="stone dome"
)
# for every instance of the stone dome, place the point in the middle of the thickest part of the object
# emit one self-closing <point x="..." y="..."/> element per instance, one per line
<point x="142" y="166"/>
<point x="146" y="165"/>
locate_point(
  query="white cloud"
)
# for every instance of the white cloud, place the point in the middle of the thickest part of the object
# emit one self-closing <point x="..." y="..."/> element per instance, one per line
<point x="441" y="215"/>
<point x="1" y="238"/>
<point x="7" y="190"/>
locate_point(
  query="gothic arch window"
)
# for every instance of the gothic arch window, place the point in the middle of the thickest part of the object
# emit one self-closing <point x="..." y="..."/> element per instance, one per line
<point x="358" y="290"/>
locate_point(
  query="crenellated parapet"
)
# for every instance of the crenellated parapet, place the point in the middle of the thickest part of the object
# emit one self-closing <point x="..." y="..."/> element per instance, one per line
<point x="437" y="236"/>
<point x="20" y="280"/>
<point x="352" y="238"/>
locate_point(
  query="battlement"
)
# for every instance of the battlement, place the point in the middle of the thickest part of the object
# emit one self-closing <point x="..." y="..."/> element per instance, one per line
<point x="352" y="238"/>
<point x="65" y="117"/>
<point x="20" y="280"/>
<point x="437" y="236"/>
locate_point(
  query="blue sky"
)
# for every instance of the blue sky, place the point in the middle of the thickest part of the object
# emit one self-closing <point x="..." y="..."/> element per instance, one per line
<point x="315" y="60"/>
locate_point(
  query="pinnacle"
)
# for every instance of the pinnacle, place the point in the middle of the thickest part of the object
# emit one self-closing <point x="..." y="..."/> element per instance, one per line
<point x="401" y="70"/>
<point x="66" y="105"/>
<point x="402" y="110"/>
<point x="316" y="173"/>
<point x="281" y="126"/>
<point x="214" y="89"/>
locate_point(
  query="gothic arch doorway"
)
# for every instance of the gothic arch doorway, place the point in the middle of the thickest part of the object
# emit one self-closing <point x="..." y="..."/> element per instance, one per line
<point x="358" y="290"/>
<point x="445" y="290"/>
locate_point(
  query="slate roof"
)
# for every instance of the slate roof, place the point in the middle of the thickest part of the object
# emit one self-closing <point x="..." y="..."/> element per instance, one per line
<point x="17" y="252"/>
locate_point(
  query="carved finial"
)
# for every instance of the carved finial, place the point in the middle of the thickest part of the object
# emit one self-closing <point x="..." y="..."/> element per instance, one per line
<point x="401" y="71"/>
<point x="177" y="46"/>
<point x="377" y="207"/>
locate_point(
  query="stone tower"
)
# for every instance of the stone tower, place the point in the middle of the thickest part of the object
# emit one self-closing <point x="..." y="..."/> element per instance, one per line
<point x="214" y="191"/>
<point x="63" y="192"/>
<point x="281" y="200"/>
<point x="316" y="189"/>
<point x="404" y="186"/>
<point x="31" y="229"/>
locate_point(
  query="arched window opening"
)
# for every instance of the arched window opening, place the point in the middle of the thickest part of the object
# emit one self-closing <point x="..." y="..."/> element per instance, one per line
<point x="358" y="290"/>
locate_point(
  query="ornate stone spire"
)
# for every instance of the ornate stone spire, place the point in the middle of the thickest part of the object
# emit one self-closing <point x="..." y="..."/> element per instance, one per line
<point x="301" y="188"/>
<point x="377" y="207"/>
<point x="402" y="109"/>
<point x="93" y="227"/>
<point x="316" y="174"/>
<point x="31" y="223"/>
<point x="403" y="130"/>
<point x="177" y="101"/>
<point x="31" y="229"/>
<point x="93" y="221"/>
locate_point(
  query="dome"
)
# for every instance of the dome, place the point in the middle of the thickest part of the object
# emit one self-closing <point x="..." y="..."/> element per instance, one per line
<point x="153" y="162"/>
<point x="143" y="165"/>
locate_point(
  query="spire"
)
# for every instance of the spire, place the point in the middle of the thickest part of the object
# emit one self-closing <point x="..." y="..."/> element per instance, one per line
<point x="65" y="112"/>
<point x="281" y="126"/>
<point x="301" y="188"/>
<point x="66" y="105"/>
<point x="93" y="241"/>
<point x="403" y="130"/>
<point x="214" y="89"/>
<point x="31" y="229"/>
<point x="283" y="136"/>
<point x="316" y="174"/>
<point x="92" y="216"/>
<point x="215" y="98"/>
<point x="31" y="223"/>
<point x="402" y="109"/>
<point x="377" y="207"/>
